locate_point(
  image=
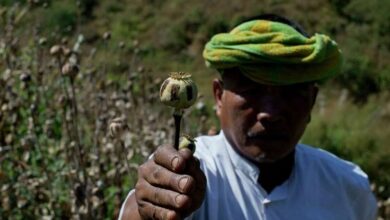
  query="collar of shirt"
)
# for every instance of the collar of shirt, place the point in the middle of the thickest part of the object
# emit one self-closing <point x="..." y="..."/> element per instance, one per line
<point x="249" y="169"/>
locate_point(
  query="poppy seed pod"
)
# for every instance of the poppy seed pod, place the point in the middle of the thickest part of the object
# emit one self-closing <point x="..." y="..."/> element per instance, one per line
<point x="42" y="41"/>
<point x="117" y="128"/>
<point x="25" y="77"/>
<point x="187" y="142"/>
<point x="66" y="51"/>
<point x="70" y="69"/>
<point x="179" y="91"/>
<point x="107" y="35"/>
<point x="121" y="45"/>
<point x="56" y="50"/>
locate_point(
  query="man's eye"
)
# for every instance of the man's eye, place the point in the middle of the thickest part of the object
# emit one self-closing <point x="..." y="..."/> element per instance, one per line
<point x="254" y="93"/>
<point x="296" y="91"/>
<point x="246" y="91"/>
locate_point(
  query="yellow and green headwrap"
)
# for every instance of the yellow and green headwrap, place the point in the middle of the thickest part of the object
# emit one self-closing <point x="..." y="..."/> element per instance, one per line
<point x="274" y="53"/>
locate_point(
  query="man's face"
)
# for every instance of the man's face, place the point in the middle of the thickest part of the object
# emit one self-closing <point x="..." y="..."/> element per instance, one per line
<point x="262" y="122"/>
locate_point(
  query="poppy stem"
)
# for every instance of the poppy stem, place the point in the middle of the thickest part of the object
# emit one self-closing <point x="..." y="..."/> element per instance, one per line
<point x="177" y="115"/>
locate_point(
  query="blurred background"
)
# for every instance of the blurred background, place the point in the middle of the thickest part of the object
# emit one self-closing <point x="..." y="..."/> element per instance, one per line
<point x="68" y="68"/>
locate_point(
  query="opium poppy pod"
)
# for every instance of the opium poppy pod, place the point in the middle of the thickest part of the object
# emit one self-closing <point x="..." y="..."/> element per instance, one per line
<point x="179" y="91"/>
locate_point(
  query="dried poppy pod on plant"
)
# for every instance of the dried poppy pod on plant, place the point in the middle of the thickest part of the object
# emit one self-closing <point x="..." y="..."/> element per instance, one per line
<point x="117" y="128"/>
<point x="56" y="50"/>
<point x="42" y="41"/>
<point x="71" y="70"/>
<point x="180" y="92"/>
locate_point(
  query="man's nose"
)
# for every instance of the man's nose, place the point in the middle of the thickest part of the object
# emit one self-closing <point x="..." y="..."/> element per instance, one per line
<point x="269" y="110"/>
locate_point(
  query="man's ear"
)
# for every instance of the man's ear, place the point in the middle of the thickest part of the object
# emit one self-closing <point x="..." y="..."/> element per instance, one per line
<point x="313" y="99"/>
<point x="315" y="93"/>
<point x="218" y="91"/>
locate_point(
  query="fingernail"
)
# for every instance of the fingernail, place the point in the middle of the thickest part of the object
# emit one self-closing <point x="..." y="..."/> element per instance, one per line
<point x="183" y="183"/>
<point x="174" y="162"/>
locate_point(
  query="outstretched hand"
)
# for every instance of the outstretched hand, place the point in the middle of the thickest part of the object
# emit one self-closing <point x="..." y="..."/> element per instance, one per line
<point x="170" y="185"/>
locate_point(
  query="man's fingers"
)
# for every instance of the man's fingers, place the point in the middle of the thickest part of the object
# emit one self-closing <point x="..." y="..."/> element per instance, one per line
<point x="172" y="159"/>
<point x="161" y="197"/>
<point x="164" y="197"/>
<point x="149" y="211"/>
<point x="159" y="176"/>
<point x="170" y="185"/>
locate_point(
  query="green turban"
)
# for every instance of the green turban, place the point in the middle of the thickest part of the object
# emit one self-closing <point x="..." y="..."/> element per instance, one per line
<point x="274" y="53"/>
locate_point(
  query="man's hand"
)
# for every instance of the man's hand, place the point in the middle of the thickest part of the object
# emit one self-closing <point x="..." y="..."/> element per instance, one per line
<point x="171" y="185"/>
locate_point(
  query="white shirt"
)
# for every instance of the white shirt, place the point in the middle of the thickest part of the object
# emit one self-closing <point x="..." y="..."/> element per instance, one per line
<point x="321" y="186"/>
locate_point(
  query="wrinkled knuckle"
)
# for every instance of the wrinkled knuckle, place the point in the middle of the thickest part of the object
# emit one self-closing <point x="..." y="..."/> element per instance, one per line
<point x="156" y="174"/>
<point x="142" y="169"/>
<point x="139" y="195"/>
<point x="139" y="186"/>
<point x="157" y="196"/>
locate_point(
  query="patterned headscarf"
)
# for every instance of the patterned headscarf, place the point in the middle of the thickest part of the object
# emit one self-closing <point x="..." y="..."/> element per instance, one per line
<point x="274" y="53"/>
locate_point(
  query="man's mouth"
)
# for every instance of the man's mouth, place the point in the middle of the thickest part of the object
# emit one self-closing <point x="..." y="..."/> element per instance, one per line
<point x="267" y="136"/>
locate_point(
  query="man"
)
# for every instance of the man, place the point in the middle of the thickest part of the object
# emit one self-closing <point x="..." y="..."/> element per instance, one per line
<point x="255" y="168"/>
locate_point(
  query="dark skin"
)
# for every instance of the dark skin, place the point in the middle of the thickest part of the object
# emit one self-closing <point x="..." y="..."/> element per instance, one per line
<point x="274" y="174"/>
<point x="170" y="186"/>
<point x="262" y="123"/>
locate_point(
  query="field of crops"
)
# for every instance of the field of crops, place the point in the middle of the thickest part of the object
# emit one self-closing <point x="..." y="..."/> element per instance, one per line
<point x="71" y="69"/>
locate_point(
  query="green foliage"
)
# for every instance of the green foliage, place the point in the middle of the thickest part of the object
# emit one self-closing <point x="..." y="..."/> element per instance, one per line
<point x="61" y="17"/>
<point x="355" y="133"/>
<point x="40" y="170"/>
<point x="182" y="31"/>
<point x="11" y="2"/>
<point x="87" y="7"/>
<point x="360" y="79"/>
<point x="366" y="46"/>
